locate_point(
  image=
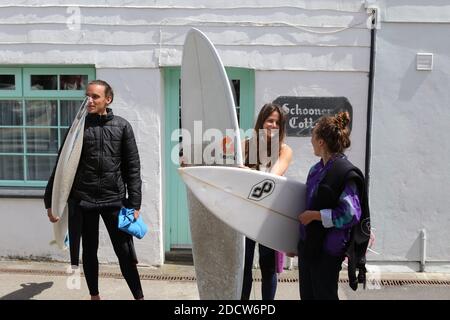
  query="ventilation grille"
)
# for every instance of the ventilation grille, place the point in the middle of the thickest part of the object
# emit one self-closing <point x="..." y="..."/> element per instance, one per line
<point x="282" y="279"/>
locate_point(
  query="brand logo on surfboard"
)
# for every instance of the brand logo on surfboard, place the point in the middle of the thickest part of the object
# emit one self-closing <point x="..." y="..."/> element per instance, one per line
<point x="227" y="148"/>
<point x="262" y="190"/>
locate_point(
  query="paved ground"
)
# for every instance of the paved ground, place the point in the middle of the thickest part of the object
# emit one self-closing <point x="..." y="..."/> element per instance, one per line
<point x="25" y="280"/>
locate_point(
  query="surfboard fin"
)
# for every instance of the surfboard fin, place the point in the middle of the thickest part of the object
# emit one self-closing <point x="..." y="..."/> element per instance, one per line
<point x="65" y="246"/>
<point x="66" y="240"/>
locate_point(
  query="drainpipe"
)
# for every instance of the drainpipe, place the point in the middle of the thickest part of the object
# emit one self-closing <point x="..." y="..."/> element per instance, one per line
<point x="375" y="24"/>
<point x="423" y="249"/>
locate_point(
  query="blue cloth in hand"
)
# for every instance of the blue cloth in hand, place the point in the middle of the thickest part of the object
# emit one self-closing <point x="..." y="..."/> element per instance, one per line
<point x="127" y="223"/>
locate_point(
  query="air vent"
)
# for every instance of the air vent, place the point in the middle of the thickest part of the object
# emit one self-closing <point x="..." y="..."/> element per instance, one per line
<point x="424" y="61"/>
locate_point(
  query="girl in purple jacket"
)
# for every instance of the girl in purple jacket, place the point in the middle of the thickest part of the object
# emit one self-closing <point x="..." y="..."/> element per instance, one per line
<point x="326" y="225"/>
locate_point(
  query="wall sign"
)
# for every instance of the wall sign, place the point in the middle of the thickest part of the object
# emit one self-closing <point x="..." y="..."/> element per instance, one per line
<point x="303" y="112"/>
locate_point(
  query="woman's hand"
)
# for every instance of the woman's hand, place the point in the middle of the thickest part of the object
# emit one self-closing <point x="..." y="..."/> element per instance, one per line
<point x="308" y="216"/>
<point x="51" y="217"/>
<point x="136" y="214"/>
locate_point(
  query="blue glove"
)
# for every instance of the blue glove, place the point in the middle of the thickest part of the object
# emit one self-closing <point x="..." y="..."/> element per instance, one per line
<point x="127" y="223"/>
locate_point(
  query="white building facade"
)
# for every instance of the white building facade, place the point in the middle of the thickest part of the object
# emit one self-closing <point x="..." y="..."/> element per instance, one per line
<point x="271" y="49"/>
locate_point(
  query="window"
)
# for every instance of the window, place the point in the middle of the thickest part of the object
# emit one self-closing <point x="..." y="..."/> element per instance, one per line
<point x="37" y="106"/>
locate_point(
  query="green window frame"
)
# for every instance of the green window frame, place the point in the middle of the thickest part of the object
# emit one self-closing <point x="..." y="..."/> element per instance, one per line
<point x="17" y="72"/>
<point x="29" y="143"/>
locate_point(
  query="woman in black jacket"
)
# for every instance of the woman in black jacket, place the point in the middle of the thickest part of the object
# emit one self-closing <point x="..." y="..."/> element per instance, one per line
<point x="109" y="168"/>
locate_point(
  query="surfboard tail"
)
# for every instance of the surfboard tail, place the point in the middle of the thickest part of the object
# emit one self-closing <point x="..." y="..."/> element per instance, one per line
<point x="218" y="253"/>
<point x="68" y="162"/>
<point x="60" y="231"/>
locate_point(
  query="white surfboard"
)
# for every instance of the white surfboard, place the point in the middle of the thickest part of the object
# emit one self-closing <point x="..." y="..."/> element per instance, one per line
<point x="206" y="96"/>
<point x="66" y="169"/>
<point x="263" y="206"/>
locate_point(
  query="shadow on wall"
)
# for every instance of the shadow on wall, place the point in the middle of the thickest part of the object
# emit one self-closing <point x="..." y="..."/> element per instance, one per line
<point x="411" y="82"/>
<point x="28" y="291"/>
<point x="414" y="251"/>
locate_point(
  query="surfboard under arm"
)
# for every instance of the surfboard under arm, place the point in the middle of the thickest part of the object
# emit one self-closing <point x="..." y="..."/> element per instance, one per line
<point x="262" y="206"/>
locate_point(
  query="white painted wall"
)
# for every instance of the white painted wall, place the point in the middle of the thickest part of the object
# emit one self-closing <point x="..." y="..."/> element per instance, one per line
<point x="306" y="48"/>
<point x="135" y="34"/>
<point x="315" y="46"/>
<point x="28" y="232"/>
<point x="410" y="150"/>
<point x="422" y="11"/>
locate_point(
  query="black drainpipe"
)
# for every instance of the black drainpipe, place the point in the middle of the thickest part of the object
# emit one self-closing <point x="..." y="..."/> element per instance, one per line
<point x="370" y="101"/>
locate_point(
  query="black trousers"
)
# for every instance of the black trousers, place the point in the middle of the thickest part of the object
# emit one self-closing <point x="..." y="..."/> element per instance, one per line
<point x="84" y="223"/>
<point x="268" y="271"/>
<point x="318" y="278"/>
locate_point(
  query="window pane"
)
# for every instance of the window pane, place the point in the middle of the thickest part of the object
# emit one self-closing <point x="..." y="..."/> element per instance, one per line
<point x="41" y="112"/>
<point x="236" y="88"/>
<point x="40" y="167"/>
<point x="44" y="82"/>
<point x="73" y="82"/>
<point x="7" y="82"/>
<point x="11" y="140"/>
<point x="11" y="113"/>
<point x="11" y="168"/>
<point x="42" y="140"/>
<point x="63" y="133"/>
<point x="69" y="109"/>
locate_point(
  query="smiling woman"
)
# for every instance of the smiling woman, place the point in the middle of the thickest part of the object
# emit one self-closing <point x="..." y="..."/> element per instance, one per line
<point x="270" y="154"/>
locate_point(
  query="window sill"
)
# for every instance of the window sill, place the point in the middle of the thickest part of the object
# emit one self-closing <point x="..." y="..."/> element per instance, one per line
<point x="26" y="193"/>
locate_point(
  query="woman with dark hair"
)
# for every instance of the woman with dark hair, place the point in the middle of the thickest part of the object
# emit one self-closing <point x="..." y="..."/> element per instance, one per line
<point x="266" y="151"/>
<point x="333" y="208"/>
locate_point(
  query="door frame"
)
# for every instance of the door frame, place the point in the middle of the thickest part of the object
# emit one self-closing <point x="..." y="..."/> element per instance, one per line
<point x="171" y="103"/>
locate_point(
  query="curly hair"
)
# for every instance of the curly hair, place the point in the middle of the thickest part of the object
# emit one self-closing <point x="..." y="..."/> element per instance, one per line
<point x="335" y="131"/>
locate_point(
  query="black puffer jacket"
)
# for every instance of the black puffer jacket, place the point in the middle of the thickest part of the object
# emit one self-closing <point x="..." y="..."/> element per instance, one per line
<point x="109" y="164"/>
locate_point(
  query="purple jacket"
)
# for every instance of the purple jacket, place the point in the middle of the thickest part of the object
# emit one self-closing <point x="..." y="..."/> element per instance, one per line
<point x="338" y="220"/>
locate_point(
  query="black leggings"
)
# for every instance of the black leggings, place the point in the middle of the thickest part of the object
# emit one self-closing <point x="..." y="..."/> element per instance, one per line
<point x="85" y="223"/>
<point x="318" y="278"/>
<point x="268" y="271"/>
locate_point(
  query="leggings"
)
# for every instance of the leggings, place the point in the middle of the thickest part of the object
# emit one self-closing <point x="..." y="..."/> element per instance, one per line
<point x="85" y="223"/>
<point x="268" y="271"/>
<point x="318" y="277"/>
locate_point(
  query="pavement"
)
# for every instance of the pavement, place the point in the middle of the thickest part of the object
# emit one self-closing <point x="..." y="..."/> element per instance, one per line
<point x="49" y="280"/>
